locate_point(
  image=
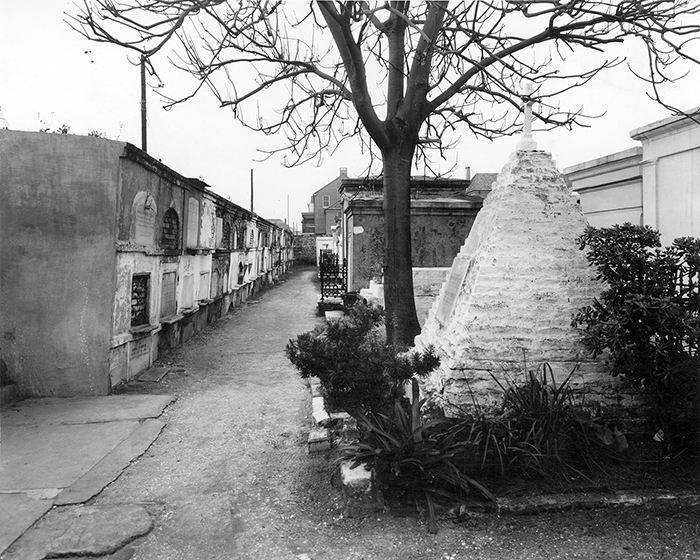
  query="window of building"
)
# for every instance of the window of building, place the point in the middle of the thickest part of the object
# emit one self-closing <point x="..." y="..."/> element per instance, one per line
<point x="140" y="284"/>
<point x="170" y="230"/>
<point x="326" y="200"/>
<point x="168" y="301"/>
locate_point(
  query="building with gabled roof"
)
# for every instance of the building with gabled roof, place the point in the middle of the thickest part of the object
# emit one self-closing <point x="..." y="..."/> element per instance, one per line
<point x="324" y="208"/>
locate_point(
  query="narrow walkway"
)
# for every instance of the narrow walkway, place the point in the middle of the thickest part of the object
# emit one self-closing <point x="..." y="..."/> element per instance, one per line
<point x="230" y="470"/>
<point x="229" y="477"/>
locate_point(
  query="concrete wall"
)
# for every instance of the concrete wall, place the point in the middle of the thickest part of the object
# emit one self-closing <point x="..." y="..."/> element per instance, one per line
<point x="657" y="184"/>
<point x="426" y="288"/>
<point x="364" y="243"/>
<point x="671" y="176"/>
<point x="57" y="278"/>
<point x="610" y="188"/>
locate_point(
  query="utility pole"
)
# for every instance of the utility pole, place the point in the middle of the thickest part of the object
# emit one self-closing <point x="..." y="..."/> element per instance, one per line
<point x="251" y="190"/>
<point x="144" y="143"/>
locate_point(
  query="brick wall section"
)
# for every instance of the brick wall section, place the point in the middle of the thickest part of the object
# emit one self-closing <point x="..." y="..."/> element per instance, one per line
<point x="305" y="249"/>
<point x="523" y="279"/>
<point x="139" y="300"/>
<point x="170" y="230"/>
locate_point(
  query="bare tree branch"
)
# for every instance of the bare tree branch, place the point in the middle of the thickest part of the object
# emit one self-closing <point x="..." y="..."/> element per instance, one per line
<point x="405" y="79"/>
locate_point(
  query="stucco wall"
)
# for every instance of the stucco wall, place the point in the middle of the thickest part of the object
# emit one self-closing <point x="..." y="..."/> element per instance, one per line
<point x="438" y="229"/>
<point x="655" y="184"/>
<point x="671" y="176"/>
<point x="136" y="179"/>
<point x="610" y="188"/>
<point x="58" y="226"/>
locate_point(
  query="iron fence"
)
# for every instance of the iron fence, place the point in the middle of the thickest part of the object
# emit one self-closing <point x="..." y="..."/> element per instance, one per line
<point x="334" y="275"/>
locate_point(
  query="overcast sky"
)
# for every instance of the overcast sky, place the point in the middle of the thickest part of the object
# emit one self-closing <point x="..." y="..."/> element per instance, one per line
<point x="47" y="79"/>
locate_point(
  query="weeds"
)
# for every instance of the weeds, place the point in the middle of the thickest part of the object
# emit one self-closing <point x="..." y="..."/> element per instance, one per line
<point x="539" y="431"/>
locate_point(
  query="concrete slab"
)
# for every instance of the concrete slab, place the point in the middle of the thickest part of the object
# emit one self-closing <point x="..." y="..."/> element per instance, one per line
<point x="319" y="414"/>
<point x="83" y="410"/>
<point x="82" y="531"/>
<point x="66" y="451"/>
<point x="112" y="465"/>
<point x="154" y="374"/>
<point x="55" y="456"/>
<point x="18" y="512"/>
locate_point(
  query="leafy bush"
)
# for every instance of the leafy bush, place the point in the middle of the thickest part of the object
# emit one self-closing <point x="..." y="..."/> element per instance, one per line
<point x="359" y="372"/>
<point x="647" y="318"/>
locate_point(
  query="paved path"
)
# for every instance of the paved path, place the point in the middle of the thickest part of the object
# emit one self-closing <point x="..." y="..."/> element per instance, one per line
<point x="225" y="476"/>
<point x="65" y="451"/>
<point x="229" y="476"/>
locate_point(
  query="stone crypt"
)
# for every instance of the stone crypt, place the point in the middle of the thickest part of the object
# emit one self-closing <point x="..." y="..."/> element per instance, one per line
<point x="507" y="304"/>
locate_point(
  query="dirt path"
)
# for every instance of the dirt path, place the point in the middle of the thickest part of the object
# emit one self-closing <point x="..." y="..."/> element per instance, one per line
<point x="229" y="478"/>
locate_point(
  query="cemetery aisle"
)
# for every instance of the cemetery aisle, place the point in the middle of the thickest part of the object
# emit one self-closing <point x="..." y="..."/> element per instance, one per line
<point x="230" y="477"/>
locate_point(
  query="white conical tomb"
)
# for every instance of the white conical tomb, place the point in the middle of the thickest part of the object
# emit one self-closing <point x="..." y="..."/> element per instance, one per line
<point x="513" y="289"/>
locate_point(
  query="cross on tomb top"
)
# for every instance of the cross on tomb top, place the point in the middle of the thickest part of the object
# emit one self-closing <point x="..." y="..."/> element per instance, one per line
<point x="526" y="142"/>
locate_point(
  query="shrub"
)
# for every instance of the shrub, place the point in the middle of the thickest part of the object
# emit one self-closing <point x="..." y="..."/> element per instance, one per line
<point x="358" y="371"/>
<point x="647" y="319"/>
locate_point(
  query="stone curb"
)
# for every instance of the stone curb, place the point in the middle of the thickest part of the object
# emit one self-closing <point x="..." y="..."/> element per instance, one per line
<point x="592" y="500"/>
<point x="357" y="483"/>
<point x="359" y="490"/>
<point x="319" y="439"/>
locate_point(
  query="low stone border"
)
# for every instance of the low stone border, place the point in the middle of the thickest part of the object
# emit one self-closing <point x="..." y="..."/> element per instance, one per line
<point x="592" y="500"/>
<point x="358" y="488"/>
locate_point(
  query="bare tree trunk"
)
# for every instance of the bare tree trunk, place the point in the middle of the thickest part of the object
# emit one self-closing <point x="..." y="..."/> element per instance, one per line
<point x="401" y="319"/>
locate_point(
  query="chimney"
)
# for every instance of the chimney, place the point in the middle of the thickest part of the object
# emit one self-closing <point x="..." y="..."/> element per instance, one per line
<point x="344" y="172"/>
<point x="468" y="173"/>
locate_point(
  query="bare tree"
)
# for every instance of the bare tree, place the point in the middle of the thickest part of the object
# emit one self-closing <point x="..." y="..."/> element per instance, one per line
<point x="404" y="79"/>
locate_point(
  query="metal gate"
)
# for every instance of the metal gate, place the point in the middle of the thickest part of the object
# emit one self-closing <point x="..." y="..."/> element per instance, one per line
<point x="334" y="275"/>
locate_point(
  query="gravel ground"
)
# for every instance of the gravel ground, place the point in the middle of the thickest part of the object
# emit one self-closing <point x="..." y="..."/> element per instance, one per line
<point x="230" y="478"/>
